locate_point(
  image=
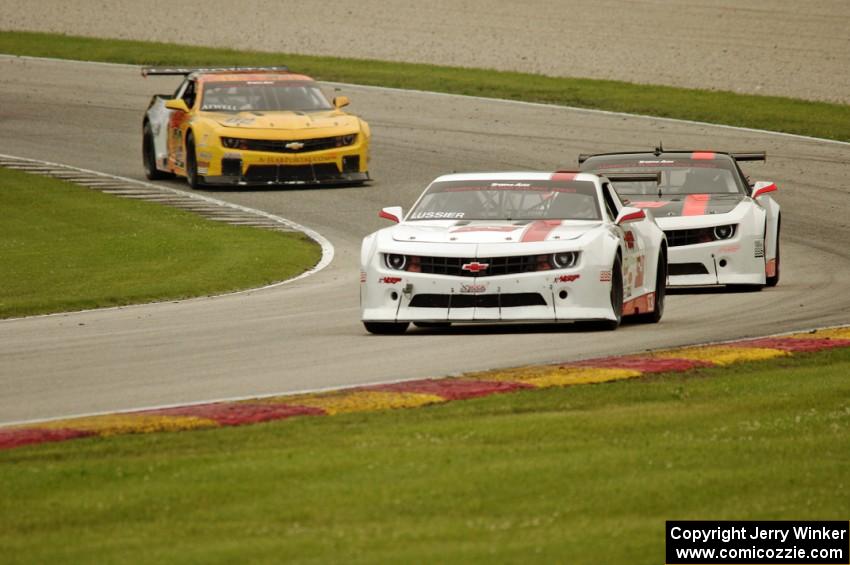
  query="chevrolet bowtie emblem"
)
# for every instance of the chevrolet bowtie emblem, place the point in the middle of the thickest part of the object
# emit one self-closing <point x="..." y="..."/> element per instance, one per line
<point x="475" y="267"/>
<point x="294" y="145"/>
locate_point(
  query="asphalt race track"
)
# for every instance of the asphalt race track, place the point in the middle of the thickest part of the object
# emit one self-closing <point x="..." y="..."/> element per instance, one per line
<point x="307" y="335"/>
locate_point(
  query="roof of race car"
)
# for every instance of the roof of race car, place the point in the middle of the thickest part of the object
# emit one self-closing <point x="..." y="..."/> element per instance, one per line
<point x="250" y="77"/>
<point x="519" y="175"/>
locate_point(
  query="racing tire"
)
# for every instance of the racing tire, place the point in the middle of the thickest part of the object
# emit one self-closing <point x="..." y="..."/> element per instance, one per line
<point x="616" y="301"/>
<point x="386" y="328"/>
<point x="149" y="156"/>
<point x="195" y="180"/>
<point x="660" y="292"/>
<point x="774" y="280"/>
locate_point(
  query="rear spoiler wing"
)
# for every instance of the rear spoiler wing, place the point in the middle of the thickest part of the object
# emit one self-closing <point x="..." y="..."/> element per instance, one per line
<point x="754" y="156"/>
<point x="177" y="71"/>
<point x="757" y="156"/>
<point x="634" y="177"/>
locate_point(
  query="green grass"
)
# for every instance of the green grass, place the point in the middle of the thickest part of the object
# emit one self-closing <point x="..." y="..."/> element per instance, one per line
<point x="64" y="247"/>
<point x="818" y="119"/>
<point x="586" y="474"/>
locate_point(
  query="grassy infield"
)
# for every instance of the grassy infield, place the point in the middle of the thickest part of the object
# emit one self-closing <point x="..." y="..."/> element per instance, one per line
<point x="586" y="474"/>
<point x="64" y="247"/>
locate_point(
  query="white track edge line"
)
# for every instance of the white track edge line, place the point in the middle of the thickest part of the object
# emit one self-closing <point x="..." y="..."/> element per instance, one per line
<point x="518" y="102"/>
<point x="326" y="246"/>
<point x="387" y="382"/>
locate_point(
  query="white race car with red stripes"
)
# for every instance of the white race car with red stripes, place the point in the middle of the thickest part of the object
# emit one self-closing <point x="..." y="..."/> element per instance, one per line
<point x="514" y="247"/>
<point x="721" y="229"/>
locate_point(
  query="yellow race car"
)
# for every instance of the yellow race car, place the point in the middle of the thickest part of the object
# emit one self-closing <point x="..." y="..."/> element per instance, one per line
<point x="249" y="126"/>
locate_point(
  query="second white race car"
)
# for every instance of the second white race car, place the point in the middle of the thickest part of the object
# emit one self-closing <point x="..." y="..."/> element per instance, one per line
<point x="721" y="229"/>
<point x="514" y="247"/>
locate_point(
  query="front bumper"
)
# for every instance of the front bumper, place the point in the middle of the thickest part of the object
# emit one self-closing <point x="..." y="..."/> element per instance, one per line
<point x="736" y="261"/>
<point x="543" y="296"/>
<point x="236" y="167"/>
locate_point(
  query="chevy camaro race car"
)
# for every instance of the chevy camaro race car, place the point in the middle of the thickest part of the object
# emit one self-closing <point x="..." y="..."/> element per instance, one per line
<point x="721" y="229"/>
<point x="252" y="126"/>
<point x="514" y="247"/>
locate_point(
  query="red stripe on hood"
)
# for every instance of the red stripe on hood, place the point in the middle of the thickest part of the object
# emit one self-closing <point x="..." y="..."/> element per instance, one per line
<point x="539" y="230"/>
<point x="695" y="204"/>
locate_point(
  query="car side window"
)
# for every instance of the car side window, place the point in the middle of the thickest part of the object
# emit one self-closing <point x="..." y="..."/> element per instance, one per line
<point x="180" y="89"/>
<point x="611" y="207"/>
<point x="189" y="94"/>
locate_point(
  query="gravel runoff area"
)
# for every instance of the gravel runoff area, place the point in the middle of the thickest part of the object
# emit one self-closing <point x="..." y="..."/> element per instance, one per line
<point x="776" y="47"/>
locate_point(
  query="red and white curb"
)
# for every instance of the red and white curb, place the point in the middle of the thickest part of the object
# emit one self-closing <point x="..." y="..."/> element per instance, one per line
<point x="422" y="392"/>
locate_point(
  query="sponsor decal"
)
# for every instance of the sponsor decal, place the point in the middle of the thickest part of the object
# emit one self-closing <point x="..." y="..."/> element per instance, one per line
<point x="437" y="215"/>
<point x="473" y="288"/>
<point x="731" y="249"/>
<point x="475" y="267"/>
<point x="219" y="108"/>
<point x="758" y="248"/>
<point x="389" y="280"/>
<point x="770" y="268"/>
<point x="362" y="276"/>
<point x="567" y="278"/>
<point x="640" y="267"/>
<point x="639" y="305"/>
<point x="605" y="276"/>
<point x="629" y="238"/>
<point x="239" y="121"/>
<point x="509" y="184"/>
<point x="650" y="204"/>
<point x="297" y="160"/>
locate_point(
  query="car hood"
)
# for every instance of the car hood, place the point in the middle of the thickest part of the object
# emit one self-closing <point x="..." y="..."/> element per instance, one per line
<point x="287" y="120"/>
<point x="524" y="231"/>
<point x="668" y="206"/>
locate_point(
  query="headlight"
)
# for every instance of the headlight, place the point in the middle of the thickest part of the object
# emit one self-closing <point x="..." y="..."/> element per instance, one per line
<point x="395" y="261"/>
<point x="233" y="143"/>
<point x="343" y="140"/>
<point x="724" y="232"/>
<point x="564" y="260"/>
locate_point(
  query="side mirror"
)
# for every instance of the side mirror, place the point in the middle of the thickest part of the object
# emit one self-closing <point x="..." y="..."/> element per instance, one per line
<point x="341" y="101"/>
<point x="763" y="187"/>
<point x="177" y="104"/>
<point x="629" y="214"/>
<point x="392" y="213"/>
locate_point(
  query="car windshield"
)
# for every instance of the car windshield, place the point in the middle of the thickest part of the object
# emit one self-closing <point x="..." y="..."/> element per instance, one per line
<point x="264" y="96"/>
<point x="508" y="200"/>
<point x="678" y="176"/>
